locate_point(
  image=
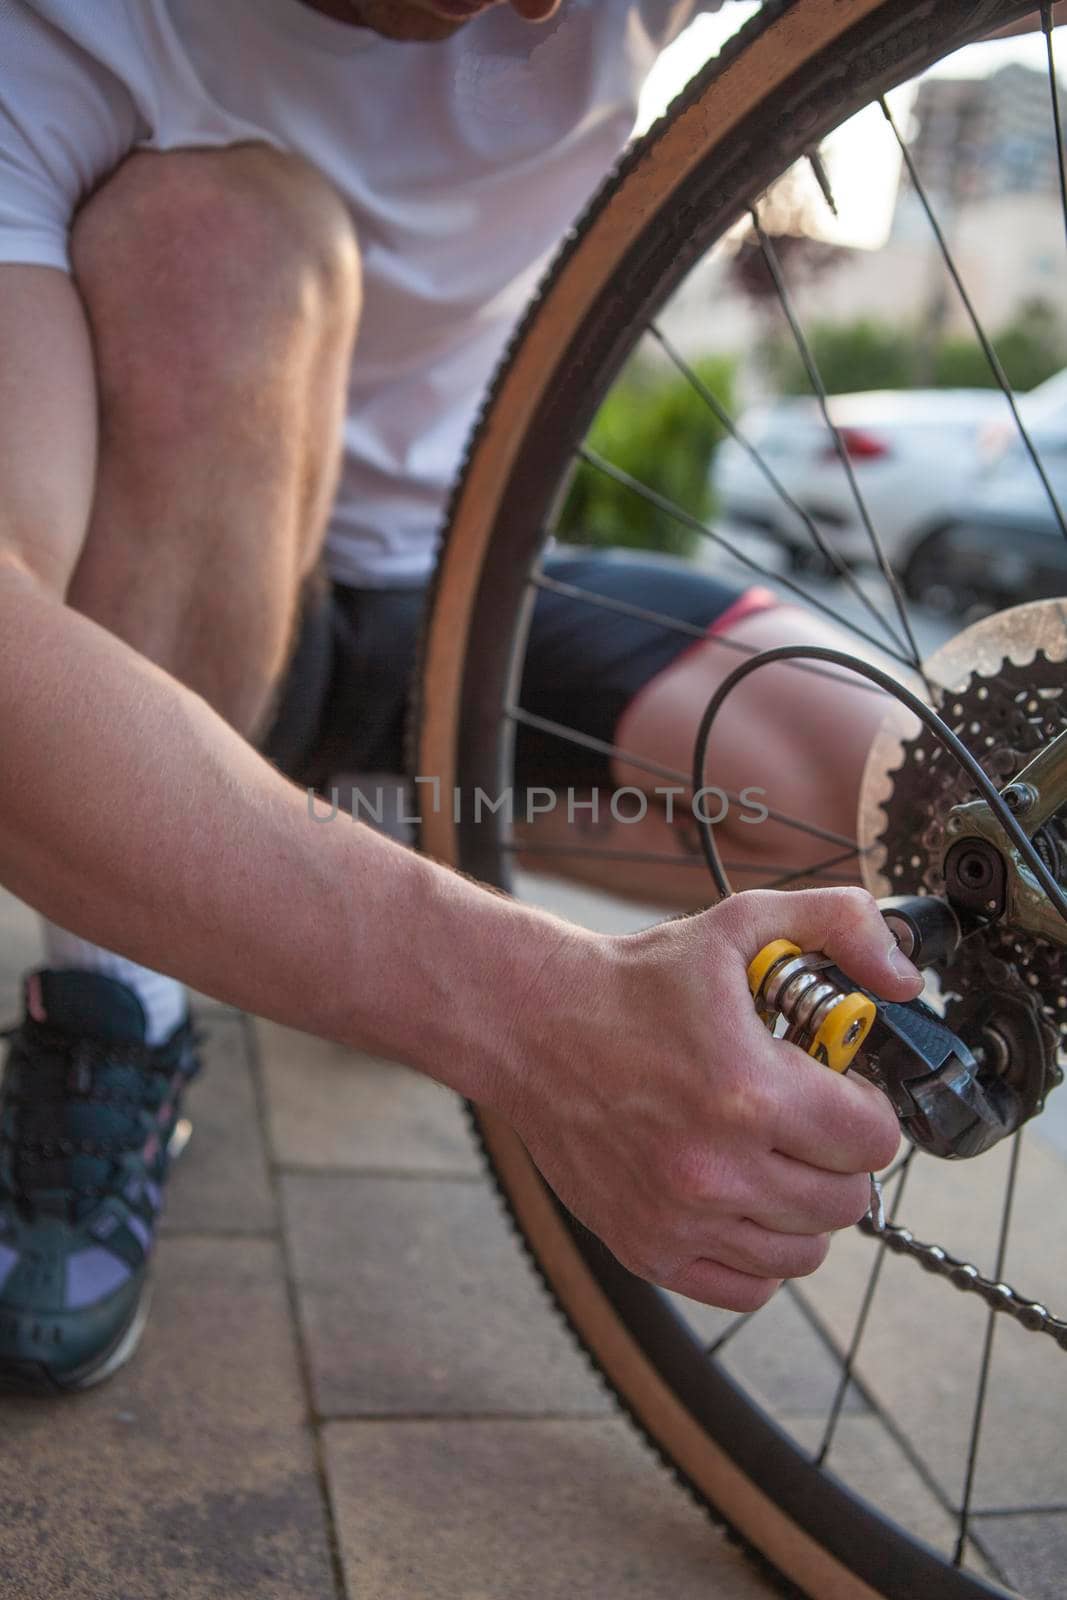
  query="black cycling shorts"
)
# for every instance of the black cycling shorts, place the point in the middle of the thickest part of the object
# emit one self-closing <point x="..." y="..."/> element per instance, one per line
<point x="343" y="706"/>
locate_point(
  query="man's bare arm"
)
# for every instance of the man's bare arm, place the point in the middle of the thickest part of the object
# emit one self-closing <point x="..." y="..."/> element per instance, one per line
<point x="710" y="1157"/>
<point x="130" y="812"/>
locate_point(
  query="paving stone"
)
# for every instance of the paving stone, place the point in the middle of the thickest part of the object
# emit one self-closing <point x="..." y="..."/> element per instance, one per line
<point x="332" y="1107"/>
<point x="534" y="1510"/>
<point x="1032" y="1550"/>
<point x="190" y="1475"/>
<point x="1051" y="1127"/>
<point x="780" y="1358"/>
<point x="415" y="1298"/>
<point x="221" y="1184"/>
<point x="777" y="1354"/>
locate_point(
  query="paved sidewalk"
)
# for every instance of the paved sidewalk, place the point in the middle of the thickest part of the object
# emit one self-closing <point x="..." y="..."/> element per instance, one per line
<point x="351" y="1385"/>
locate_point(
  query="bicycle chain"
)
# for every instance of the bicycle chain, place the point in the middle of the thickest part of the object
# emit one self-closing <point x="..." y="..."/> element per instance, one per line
<point x="934" y="1258"/>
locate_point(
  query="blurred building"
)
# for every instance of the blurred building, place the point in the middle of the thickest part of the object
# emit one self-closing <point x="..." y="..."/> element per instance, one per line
<point x="985" y="153"/>
<point x="983" y="138"/>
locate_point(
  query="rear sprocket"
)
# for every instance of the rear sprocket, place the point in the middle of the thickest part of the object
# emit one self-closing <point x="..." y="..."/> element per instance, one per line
<point x="1002" y="689"/>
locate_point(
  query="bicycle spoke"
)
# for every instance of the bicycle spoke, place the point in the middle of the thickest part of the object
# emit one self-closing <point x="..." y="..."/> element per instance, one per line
<point x="587" y="741"/>
<point x="987" y="1355"/>
<point x="821" y="174"/>
<point x="686" y="519"/>
<point x="815" y="870"/>
<point x="723" y="417"/>
<point x="980" y="334"/>
<point x="591" y="852"/>
<point x="785" y="300"/>
<point x="625" y="608"/>
<point x="689" y="630"/>
<point x="848" y="1365"/>
<point x="664" y="858"/>
<point x="1054" y="86"/>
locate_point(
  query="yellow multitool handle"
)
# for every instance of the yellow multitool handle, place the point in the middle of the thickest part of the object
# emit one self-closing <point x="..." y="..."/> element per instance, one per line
<point x="842" y="1032"/>
<point x="760" y="967"/>
<point x="769" y="957"/>
<point x="840" y="1039"/>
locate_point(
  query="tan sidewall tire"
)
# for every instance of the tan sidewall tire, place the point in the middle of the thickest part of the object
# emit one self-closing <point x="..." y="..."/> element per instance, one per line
<point x="802" y="34"/>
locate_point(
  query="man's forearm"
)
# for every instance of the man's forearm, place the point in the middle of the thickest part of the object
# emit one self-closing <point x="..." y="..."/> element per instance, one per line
<point x="130" y="813"/>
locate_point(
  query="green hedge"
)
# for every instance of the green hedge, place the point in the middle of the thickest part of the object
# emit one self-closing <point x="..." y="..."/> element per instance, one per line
<point x="655" y="426"/>
<point x="869" y="354"/>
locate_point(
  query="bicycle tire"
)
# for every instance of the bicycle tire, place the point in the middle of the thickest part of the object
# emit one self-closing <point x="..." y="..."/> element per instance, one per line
<point x="793" y="73"/>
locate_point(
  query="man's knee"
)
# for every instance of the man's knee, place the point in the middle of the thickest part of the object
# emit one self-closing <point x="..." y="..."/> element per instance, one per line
<point x="207" y="273"/>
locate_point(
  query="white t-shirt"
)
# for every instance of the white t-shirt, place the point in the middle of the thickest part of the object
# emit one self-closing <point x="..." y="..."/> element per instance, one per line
<point x="463" y="163"/>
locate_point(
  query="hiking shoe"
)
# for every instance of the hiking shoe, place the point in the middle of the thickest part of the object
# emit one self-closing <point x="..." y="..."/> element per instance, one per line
<point x="89" y="1119"/>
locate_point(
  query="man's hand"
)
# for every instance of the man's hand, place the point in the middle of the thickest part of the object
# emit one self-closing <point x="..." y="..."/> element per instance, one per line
<point x="710" y="1157"/>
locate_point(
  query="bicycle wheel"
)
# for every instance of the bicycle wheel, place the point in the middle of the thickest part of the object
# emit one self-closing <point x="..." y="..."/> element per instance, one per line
<point x="796" y="72"/>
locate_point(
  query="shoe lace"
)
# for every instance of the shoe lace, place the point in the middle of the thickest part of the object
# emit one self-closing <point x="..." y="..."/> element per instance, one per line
<point x="50" y="1071"/>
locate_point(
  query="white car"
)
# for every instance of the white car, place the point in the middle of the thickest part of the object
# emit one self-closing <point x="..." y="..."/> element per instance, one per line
<point x="916" y="455"/>
<point x="1007" y="542"/>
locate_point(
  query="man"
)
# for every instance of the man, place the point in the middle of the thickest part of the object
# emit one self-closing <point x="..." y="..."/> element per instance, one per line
<point x="199" y="205"/>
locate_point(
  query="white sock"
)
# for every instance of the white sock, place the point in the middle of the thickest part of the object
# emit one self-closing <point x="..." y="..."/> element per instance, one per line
<point x="163" y="998"/>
